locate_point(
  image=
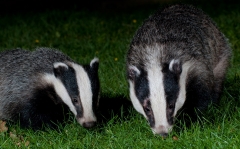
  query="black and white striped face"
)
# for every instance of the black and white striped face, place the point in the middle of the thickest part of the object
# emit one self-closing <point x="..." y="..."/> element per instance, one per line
<point x="158" y="93"/>
<point x="78" y="88"/>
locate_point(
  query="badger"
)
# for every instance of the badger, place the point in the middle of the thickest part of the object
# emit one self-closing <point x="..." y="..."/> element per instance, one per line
<point x="177" y="61"/>
<point x="42" y="86"/>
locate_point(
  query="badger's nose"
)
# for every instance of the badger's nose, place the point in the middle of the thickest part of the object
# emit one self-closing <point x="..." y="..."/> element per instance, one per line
<point x="164" y="135"/>
<point x="89" y="124"/>
<point x="162" y="130"/>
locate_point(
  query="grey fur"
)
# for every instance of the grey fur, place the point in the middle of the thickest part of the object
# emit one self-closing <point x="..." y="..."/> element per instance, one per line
<point x="21" y="74"/>
<point x="21" y="70"/>
<point x="186" y="34"/>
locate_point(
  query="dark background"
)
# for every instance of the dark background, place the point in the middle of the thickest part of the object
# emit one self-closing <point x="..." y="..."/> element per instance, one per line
<point x="16" y="6"/>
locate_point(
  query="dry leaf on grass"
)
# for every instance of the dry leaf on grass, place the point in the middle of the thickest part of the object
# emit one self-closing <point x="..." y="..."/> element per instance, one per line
<point x="175" y="138"/>
<point x="18" y="144"/>
<point x="3" y="126"/>
<point x="18" y="139"/>
<point x="13" y="136"/>
<point x="27" y="143"/>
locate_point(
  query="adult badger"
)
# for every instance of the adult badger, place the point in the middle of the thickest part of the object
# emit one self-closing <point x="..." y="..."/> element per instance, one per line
<point x="39" y="87"/>
<point x="177" y="60"/>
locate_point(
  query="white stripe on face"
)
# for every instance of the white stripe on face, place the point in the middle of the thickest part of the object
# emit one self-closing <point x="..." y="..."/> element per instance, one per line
<point x="85" y="90"/>
<point x="182" y="92"/>
<point x="135" y="101"/>
<point x="158" y="99"/>
<point x="60" y="90"/>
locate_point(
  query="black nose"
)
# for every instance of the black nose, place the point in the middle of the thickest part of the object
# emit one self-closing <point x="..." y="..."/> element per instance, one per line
<point x="89" y="124"/>
<point x="164" y="135"/>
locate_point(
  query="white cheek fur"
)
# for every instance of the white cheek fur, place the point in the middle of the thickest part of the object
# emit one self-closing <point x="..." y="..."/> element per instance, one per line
<point x="134" y="99"/>
<point x="182" y="92"/>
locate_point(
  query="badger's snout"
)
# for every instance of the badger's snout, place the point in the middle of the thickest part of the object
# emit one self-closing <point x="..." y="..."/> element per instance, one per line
<point x="87" y="122"/>
<point x="162" y="130"/>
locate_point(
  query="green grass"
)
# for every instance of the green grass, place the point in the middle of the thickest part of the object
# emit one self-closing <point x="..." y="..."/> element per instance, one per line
<point x="84" y="34"/>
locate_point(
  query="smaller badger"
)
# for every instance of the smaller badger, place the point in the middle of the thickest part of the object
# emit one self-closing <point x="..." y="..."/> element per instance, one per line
<point x="39" y="88"/>
<point x="177" y="61"/>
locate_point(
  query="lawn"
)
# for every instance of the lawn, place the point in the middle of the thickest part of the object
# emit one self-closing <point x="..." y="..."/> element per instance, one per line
<point x="84" y="33"/>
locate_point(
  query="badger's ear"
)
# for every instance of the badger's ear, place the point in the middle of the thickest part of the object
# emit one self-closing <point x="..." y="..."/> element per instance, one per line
<point x="59" y="68"/>
<point x="55" y="98"/>
<point x="94" y="63"/>
<point x="175" y="67"/>
<point x="133" y="72"/>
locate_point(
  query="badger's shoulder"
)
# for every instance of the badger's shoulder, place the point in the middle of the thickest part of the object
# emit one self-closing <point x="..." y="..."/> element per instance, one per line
<point x="45" y="55"/>
<point x="21" y="69"/>
<point x="13" y="56"/>
<point x="42" y="59"/>
<point x="50" y="54"/>
<point x="14" y="52"/>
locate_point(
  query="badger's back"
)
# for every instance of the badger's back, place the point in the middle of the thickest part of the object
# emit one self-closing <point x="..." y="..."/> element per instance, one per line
<point x="179" y="31"/>
<point x="177" y="59"/>
<point x="24" y="94"/>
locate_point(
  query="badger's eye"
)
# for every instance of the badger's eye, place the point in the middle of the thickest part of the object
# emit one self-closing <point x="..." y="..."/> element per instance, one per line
<point x="170" y="106"/>
<point x="75" y="100"/>
<point x="147" y="109"/>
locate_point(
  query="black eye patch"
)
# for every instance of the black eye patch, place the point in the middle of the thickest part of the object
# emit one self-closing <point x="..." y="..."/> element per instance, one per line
<point x="147" y="107"/>
<point x="95" y="84"/>
<point x="69" y="80"/>
<point x="171" y="88"/>
<point x="141" y="85"/>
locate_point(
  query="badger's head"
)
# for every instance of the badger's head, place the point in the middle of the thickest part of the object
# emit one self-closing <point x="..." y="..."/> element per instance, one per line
<point x="158" y="92"/>
<point x="78" y="87"/>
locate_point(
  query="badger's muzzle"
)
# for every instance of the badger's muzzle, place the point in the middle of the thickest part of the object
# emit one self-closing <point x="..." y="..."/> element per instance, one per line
<point x="87" y="122"/>
<point x="162" y="130"/>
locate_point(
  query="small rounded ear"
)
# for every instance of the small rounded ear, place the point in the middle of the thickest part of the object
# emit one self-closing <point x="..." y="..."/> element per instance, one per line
<point x="175" y="67"/>
<point x="94" y="63"/>
<point x="56" y="100"/>
<point x="133" y="72"/>
<point x="59" y="68"/>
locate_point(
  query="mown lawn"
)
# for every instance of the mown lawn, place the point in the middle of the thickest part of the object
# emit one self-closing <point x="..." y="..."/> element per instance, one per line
<point x="83" y="34"/>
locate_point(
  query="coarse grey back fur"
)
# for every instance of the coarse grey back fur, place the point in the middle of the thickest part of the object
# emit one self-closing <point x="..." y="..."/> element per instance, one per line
<point x="185" y="33"/>
<point x="21" y="70"/>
